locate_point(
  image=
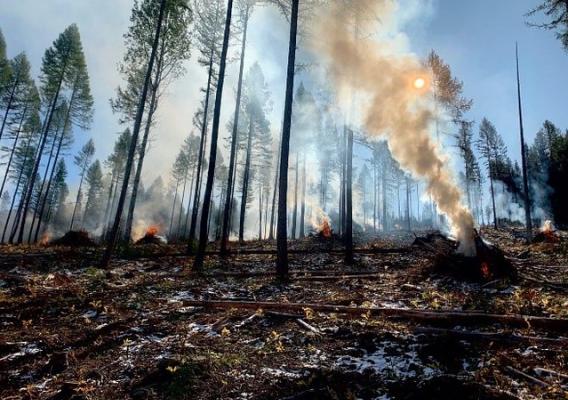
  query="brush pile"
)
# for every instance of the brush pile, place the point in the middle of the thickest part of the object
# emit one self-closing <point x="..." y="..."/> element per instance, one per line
<point x="74" y="239"/>
<point x="490" y="262"/>
<point x="151" y="237"/>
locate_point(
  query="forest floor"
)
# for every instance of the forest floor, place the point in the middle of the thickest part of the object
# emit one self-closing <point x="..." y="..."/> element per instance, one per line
<point x="143" y="329"/>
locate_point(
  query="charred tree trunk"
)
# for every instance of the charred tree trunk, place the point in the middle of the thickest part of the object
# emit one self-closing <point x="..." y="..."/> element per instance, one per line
<point x="384" y="197"/>
<point x="349" y="201"/>
<point x="282" y="234"/>
<point x="232" y="160"/>
<point x="408" y="225"/>
<point x="134" y="141"/>
<point x="83" y="171"/>
<point x="214" y="135"/>
<point x="180" y="216"/>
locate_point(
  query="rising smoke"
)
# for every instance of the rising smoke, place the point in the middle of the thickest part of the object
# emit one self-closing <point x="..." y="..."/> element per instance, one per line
<point x="383" y="79"/>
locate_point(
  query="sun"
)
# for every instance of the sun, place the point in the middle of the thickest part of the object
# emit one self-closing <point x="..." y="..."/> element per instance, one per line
<point x="419" y="83"/>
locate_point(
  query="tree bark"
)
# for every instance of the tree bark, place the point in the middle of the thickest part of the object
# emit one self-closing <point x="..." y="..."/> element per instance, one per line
<point x="274" y="192"/>
<point x="282" y="234"/>
<point x="203" y="238"/>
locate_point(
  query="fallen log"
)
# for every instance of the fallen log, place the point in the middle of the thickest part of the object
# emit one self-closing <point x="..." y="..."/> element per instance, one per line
<point x="449" y="318"/>
<point x="490" y="336"/>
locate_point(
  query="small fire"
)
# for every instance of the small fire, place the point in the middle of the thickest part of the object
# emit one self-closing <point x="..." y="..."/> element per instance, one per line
<point x="152" y="230"/>
<point x="45" y="239"/>
<point x="547" y="227"/>
<point x="325" y="229"/>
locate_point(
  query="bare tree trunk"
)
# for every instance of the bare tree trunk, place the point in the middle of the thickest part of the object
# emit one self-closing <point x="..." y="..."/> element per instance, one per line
<point x="170" y="230"/>
<point x="246" y="177"/>
<point x="232" y="160"/>
<point x="275" y="190"/>
<point x="203" y="239"/>
<point x="349" y="201"/>
<point x="384" y="196"/>
<point x="197" y="190"/>
<point x="282" y="234"/>
<point x="295" y="212"/>
<point x="303" y="209"/>
<point x="180" y="216"/>
<point x="375" y="189"/>
<point x="408" y="225"/>
<point x="524" y="156"/>
<point x="134" y="141"/>
<point x="259" y="212"/>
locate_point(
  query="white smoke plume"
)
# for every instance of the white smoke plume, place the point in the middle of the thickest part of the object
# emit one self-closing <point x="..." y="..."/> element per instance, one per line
<point x="392" y="103"/>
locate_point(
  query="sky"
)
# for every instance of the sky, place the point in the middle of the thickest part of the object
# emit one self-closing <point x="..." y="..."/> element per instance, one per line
<point x="477" y="38"/>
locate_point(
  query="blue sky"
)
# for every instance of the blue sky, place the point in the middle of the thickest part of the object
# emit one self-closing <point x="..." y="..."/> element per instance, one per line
<point x="476" y="38"/>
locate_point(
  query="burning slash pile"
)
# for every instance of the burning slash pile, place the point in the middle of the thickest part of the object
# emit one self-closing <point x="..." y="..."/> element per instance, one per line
<point x="151" y="237"/>
<point x="547" y="234"/>
<point x="74" y="239"/>
<point x="488" y="264"/>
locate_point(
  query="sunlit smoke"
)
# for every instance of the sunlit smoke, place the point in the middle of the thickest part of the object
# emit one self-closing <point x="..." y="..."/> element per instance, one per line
<point x="374" y="69"/>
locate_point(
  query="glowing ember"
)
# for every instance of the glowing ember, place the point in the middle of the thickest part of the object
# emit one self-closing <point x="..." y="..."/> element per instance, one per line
<point x="485" y="271"/>
<point x="152" y="230"/>
<point x="419" y="83"/>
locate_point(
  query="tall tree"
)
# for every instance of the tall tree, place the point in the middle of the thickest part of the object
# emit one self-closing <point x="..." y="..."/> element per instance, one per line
<point x="59" y="70"/>
<point x="281" y="230"/>
<point x="134" y="140"/>
<point x="83" y="162"/>
<point x="245" y="7"/>
<point x="78" y="113"/>
<point x="210" y="29"/>
<point x="528" y="218"/>
<point x="488" y="147"/>
<point x="94" y="204"/>
<point x="173" y="50"/>
<point x="203" y="233"/>
<point x="557" y="12"/>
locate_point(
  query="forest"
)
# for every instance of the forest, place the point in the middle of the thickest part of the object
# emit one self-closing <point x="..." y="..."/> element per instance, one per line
<point x="350" y="229"/>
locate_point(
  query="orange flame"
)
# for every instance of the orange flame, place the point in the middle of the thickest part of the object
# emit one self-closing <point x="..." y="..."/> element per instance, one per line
<point x="45" y="239"/>
<point x="325" y="229"/>
<point x="152" y="230"/>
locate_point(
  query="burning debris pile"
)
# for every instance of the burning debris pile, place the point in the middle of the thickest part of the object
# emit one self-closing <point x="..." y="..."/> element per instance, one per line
<point x="75" y="239"/>
<point x="488" y="264"/>
<point x="547" y="234"/>
<point x="151" y="237"/>
<point x="321" y="225"/>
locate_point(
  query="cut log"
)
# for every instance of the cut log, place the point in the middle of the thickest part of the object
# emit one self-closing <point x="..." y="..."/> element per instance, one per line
<point x="448" y="318"/>
<point x="528" y="377"/>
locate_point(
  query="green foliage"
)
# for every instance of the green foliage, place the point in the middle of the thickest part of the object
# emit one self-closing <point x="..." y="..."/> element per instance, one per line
<point x="94" y="205"/>
<point x="557" y="13"/>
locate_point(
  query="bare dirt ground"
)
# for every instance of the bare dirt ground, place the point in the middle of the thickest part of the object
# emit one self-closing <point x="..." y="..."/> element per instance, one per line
<point x="144" y="329"/>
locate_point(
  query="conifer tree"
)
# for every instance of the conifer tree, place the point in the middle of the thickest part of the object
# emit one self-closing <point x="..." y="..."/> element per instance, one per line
<point x="83" y="162"/>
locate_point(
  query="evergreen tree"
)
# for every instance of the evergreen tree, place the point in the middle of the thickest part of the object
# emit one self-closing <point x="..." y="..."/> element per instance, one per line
<point x="172" y="51"/>
<point x="557" y="11"/>
<point x="94" y="205"/>
<point x="59" y="71"/>
<point x="210" y="29"/>
<point x="5" y="71"/>
<point x="83" y="162"/>
<point x="59" y="195"/>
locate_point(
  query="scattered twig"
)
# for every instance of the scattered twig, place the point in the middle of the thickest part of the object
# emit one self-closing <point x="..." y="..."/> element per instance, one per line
<point x="308" y="326"/>
<point x="527" y="376"/>
<point x="491" y="336"/>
